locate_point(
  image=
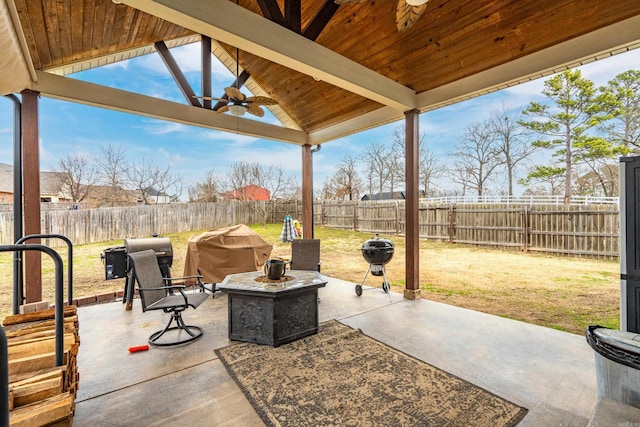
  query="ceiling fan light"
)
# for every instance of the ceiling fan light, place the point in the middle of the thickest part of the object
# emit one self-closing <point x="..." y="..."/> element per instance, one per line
<point x="237" y="110"/>
<point x="416" y="2"/>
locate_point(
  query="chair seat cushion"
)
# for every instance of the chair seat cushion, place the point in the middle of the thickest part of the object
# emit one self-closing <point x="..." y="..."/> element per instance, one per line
<point x="170" y="301"/>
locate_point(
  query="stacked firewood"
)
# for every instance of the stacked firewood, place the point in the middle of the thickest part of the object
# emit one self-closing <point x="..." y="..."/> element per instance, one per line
<point x="41" y="393"/>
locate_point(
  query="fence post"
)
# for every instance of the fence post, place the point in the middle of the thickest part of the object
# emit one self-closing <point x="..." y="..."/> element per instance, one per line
<point x="398" y="217"/>
<point x="450" y="223"/>
<point x="355" y="216"/>
<point x="525" y="229"/>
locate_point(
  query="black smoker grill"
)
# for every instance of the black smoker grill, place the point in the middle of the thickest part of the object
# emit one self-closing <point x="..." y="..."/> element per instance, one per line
<point x="377" y="252"/>
<point x="117" y="267"/>
<point x="162" y="247"/>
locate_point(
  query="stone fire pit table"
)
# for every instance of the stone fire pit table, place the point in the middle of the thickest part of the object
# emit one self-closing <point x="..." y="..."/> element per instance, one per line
<point x="272" y="313"/>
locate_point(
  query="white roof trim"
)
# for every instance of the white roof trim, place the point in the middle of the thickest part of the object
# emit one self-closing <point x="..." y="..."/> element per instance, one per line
<point x="15" y="62"/>
<point x="74" y="90"/>
<point x="111" y="58"/>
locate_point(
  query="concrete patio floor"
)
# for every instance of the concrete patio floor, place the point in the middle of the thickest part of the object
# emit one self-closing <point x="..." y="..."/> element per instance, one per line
<point x="551" y="373"/>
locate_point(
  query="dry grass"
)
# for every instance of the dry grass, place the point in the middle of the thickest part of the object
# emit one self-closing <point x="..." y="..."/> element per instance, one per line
<point x="558" y="292"/>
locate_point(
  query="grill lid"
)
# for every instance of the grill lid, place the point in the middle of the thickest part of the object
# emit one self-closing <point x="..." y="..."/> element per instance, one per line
<point x="161" y="245"/>
<point x="378" y="243"/>
<point x="377" y="251"/>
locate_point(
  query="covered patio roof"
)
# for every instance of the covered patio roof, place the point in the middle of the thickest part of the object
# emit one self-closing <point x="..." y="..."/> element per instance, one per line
<point x="334" y="69"/>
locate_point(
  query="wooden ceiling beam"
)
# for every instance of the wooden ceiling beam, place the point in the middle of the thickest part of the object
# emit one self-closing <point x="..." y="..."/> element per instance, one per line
<point x="177" y="74"/>
<point x="205" y="52"/>
<point x="74" y="90"/>
<point x="234" y="25"/>
<point x="271" y="11"/>
<point x="320" y="20"/>
<point x="293" y="15"/>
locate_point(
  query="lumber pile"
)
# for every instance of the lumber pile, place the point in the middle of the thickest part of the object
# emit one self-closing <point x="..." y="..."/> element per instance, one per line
<point x="41" y="393"/>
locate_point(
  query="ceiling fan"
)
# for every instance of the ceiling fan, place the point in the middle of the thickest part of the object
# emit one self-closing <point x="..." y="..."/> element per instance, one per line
<point x="236" y="102"/>
<point x="407" y="13"/>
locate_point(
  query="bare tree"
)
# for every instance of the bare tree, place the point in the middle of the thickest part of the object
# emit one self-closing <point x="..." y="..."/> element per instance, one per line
<point x="346" y="183"/>
<point x="428" y="166"/>
<point x="77" y="176"/>
<point x="376" y="167"/>
<point x="111" y="167"/>
<point x="396" y="158"/>
<point x="601" y="179"/>
<point x="476" y="157"/>
<point x="205" y="190"/>
<point x="246" y="180"/>
<point x="168" y="185"/>
<point x="429" y="170"/>
<point x="551" y="176"/>
<point x="328" y="191"/>
<point x="513" y="141"/>
<point x="152" y="183"/>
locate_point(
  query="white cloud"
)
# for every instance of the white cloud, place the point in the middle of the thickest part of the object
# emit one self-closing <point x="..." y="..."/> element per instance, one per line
<point x="188" y="58"/>
<point x="163" y="128"/>
<point x="120" y="65"/>
<point x="229" y="137"/>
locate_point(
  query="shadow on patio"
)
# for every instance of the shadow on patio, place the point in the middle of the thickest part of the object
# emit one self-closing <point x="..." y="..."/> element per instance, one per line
<point x="549" y="372"/>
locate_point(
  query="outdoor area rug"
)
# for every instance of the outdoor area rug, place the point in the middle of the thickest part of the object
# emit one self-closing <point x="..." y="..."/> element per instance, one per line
<point x="342" y="377"/>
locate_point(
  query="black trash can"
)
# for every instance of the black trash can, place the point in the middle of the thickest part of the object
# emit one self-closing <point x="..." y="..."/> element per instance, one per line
<point x="617" y="364"/>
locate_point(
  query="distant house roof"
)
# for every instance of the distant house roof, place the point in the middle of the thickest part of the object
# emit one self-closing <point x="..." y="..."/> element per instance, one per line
<point x="248" y="193"/>
<point x="50" y="182"/>
<point x="155" y="193"/>
<point x="389" y="195"/>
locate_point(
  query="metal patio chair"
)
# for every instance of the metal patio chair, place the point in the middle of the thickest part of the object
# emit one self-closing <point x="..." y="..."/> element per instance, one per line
<point x="156" y="295"/>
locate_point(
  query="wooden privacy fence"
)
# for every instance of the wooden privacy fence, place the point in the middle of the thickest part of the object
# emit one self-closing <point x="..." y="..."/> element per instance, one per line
<point x="585" y="230"/>
<point x="83" y="226"/>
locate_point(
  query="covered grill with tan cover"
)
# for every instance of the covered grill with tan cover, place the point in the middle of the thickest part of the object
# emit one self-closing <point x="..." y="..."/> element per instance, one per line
<point x="216" y="253"/>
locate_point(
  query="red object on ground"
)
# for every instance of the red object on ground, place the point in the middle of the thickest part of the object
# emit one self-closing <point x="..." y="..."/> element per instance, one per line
<point x="138" y="348"/>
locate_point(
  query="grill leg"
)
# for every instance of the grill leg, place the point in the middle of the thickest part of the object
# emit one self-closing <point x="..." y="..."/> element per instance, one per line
<point x="365" y="275"/>
<point x="359" y="287"/>
<point x="386" y="286"/>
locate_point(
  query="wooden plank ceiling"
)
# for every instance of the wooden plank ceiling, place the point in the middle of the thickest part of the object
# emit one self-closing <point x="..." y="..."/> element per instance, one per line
<point x="454" y="39"/>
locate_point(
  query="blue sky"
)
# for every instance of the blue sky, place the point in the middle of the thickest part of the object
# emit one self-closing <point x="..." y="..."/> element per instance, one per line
<point x="67" y="127"/>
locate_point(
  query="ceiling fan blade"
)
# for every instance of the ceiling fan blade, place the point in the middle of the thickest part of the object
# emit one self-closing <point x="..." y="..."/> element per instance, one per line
<point x="234" y="93"/>
<point x="261" y="100"/>
<point x="255" y="110"/>
<point x="407" y="15"/>
<point x="222" y="109"/>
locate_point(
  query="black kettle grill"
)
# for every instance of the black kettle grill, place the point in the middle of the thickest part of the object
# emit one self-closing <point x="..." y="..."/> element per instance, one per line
<point x="377" y="252"/>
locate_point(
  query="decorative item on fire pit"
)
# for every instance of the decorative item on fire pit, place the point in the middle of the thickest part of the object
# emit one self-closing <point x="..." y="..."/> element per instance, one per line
<point x="377" y="252"/>
<point x="274" y="269"/>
